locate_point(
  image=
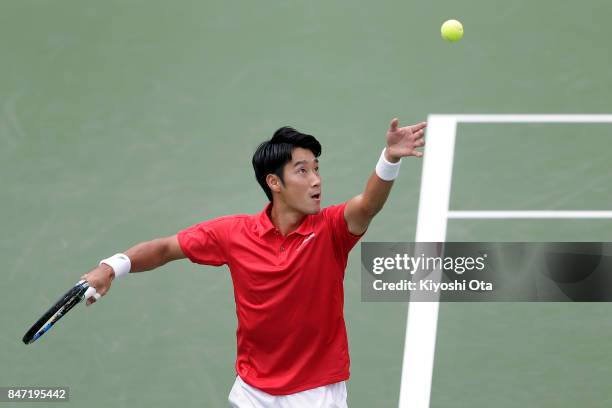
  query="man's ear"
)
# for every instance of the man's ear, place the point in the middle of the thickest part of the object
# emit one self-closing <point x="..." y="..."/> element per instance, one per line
<point x="274" y="182"/>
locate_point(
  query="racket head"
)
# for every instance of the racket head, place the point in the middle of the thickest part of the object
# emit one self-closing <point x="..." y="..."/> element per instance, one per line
<point x="70" y="299"/>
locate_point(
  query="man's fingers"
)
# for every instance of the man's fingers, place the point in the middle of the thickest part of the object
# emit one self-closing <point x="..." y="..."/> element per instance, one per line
<point x="90" y="292"/>
<point x="418" y="127"/>
<point x="418" y="154"/>
<point x="419" y="143"/>
<point x="394" y="124"/>
<point x="409" y="130"/>
<point x="93" y="299"/>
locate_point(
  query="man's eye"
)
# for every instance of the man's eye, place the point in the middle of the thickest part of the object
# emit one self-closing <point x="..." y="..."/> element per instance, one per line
<point x="302" y="171"/>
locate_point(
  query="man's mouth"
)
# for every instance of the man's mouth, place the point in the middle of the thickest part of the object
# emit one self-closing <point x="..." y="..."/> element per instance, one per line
<point x="316" y="197"/>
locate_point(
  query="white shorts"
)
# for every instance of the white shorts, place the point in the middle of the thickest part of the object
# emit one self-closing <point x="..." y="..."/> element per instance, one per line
<point x="243" y="395"/>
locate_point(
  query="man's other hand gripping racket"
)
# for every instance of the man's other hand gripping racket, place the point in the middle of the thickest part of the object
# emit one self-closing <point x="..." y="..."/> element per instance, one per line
<point x="97" y="282"/>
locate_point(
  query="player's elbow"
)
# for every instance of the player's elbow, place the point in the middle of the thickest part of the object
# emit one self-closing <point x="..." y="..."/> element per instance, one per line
<point x="364" y="209"/>
<point x="156" y="253"/>
<point x="171" y="249"/>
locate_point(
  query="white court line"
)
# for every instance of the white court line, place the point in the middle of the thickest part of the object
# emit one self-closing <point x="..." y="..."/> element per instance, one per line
<point x="433" y="215"/>
<point x="529" y="214"/>
<point x="422" y="321"/>
<point x="518" y="118"/>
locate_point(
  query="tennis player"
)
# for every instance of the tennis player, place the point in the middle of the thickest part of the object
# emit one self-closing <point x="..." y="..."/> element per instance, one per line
<point x="287" y="265"/>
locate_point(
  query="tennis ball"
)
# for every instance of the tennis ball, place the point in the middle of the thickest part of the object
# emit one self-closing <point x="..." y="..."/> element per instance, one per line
<point x="452" y="30"/>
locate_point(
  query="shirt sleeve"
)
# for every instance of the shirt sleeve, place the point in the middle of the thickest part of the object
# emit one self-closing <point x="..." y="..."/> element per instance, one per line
<point x="334" y="217"/>
<point x="206" y="243"/>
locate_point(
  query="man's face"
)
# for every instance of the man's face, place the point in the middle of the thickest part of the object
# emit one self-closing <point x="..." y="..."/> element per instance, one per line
<point x="302" y="184"/>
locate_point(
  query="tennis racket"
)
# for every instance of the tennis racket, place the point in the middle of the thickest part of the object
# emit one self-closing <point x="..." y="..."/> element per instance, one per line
<point x="70" y="299"/>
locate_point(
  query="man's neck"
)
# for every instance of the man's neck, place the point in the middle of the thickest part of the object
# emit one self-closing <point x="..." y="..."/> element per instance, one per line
<point x="286" y="220"/>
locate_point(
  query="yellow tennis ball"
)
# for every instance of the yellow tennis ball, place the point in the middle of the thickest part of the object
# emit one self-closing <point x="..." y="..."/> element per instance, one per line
<point x="452" y="30"/>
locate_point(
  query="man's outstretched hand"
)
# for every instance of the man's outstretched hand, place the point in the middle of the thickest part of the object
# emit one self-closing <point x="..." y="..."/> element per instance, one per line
<point x="403" y="141"/>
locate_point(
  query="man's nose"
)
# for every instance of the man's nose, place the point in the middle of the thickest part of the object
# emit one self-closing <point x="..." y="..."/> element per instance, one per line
<point x="316" y="180"/>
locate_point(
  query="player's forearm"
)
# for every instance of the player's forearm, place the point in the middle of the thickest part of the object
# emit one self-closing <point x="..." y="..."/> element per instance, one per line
<point x="360" y="210"/>
<point x="142" y="257"/>
<point x="148" y="255"/>
<point x="375" y="195"/>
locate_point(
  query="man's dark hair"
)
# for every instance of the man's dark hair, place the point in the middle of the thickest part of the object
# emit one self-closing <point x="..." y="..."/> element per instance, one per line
<point x="272" y="155"/>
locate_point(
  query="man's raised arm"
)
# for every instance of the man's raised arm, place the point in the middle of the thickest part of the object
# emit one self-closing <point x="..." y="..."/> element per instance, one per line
<point x="401" y="142"/>
<point x="142" y="257"/>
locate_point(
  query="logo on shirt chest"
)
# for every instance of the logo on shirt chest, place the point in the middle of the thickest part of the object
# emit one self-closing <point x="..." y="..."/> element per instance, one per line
<point x="306" y="240"/>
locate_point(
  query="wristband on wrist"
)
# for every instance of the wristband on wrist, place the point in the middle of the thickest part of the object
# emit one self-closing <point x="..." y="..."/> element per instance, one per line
<point x="386" y="170"/>
<point x="120" y="263"/>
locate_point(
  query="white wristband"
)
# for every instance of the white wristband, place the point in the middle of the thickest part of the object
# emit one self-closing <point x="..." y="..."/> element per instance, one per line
<point x="385" y="170"/>
<point x="120" y="263"/>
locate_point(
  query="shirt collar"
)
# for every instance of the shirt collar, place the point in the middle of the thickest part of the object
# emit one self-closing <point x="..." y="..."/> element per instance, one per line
<point x="265" y="225"/>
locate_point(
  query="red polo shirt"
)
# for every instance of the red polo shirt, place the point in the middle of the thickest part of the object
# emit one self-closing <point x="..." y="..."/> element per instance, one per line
<point x="289" y="295"/>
